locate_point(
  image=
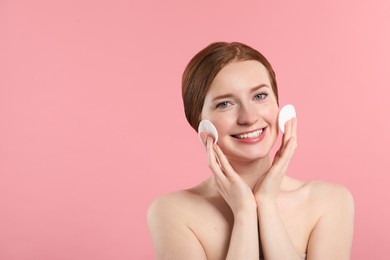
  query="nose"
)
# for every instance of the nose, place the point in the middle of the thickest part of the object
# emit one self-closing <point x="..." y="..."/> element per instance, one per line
<point x="247" y="115"/>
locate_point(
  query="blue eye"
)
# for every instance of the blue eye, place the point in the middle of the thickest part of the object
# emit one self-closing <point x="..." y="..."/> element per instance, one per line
<point x="223" y="104"/>
<point x="261" y="96"/>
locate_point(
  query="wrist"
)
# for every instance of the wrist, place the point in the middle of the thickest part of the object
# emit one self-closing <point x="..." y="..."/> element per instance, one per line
<point x="265" y="202"/>
<point x="246" y="215"/>
<point x="246" y="210"/>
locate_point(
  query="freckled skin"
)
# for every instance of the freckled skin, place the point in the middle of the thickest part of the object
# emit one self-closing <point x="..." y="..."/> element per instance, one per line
<point x="219" y="217"/>
<point x="244" y="113"/>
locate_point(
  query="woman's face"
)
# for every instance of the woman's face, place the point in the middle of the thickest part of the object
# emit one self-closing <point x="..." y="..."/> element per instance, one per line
<point x="242" y="106"/>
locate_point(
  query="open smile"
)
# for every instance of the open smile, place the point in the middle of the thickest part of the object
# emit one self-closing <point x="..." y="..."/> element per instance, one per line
<point x="250" y="136"/>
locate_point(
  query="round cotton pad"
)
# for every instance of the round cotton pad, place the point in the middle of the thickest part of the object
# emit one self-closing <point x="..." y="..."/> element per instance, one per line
<point x="208" y="127"/>
<point x="286" y="113"/>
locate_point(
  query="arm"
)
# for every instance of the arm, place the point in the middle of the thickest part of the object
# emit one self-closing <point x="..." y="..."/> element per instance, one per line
<point x="332" y="235"/>
<point x="244" y="239"/>
<point x="244" y="242"/>
<point x="173" y="239"/>
<point x="275" y="241"/>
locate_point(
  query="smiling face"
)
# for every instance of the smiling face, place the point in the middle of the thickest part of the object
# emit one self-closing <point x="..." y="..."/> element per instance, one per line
<point x="243" y="107"/>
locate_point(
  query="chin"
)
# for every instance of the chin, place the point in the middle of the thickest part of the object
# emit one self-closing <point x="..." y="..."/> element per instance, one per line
<point x="244" y="160"/>
<point x="247" y="155"/>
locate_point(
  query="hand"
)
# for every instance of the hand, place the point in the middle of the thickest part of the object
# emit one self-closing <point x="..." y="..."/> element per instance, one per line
<point x="230" y="185"/>
<point x="267" y="189"/>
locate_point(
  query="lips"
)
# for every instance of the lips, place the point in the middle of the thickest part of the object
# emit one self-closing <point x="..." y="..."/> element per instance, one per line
<point x="249" y="134"/>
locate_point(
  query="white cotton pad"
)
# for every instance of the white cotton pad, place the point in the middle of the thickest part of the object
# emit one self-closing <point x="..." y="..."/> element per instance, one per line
<point x="208" y="127"/>
<point x="286" y="113"/>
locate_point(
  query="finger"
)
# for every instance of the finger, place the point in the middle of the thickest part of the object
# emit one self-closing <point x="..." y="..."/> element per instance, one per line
<point x="294" y="128"/>
<point x="216" y="156"/>
<point x="203" y="137"/>
<point x="225" y="165"/>
<point x="286" y="136"/>
<point x="287" y="132"/>
<point x="214" y="165"/>
<point x="277" y="155"/>
<point x="292" y="133"/>
<point x="284" y="157"/>
<point x="212" y="157"/>
<point x="288" y="154"/>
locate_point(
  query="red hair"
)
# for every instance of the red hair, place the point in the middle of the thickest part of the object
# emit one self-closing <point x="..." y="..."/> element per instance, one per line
<point x="204" y="67"/>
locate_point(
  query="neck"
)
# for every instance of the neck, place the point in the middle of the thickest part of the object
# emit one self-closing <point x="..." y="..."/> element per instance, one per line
<point x="252" y="171"/>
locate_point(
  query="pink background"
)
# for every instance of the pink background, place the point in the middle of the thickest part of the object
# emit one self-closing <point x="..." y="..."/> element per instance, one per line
<point x="92" y="127"/>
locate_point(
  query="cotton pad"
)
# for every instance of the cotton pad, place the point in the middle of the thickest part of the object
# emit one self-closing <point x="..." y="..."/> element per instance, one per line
<point x="208" y="127"/>
<point x="286" y="113"/>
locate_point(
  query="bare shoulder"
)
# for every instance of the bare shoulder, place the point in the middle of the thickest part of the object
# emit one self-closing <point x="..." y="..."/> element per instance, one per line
<point x="330" y="196"/>
<point x="172" y="204"/>
<point x="321" y="195"/>
<point x="328" y="191"/>
<point x="167" y="204"/>
<point x="169" y="217"/>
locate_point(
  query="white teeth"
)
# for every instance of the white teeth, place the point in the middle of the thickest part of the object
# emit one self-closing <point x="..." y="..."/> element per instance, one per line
<point x="250" y="135"/>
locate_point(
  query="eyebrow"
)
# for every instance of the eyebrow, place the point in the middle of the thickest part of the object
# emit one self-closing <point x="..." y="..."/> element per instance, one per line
<point x="231" y="95"/>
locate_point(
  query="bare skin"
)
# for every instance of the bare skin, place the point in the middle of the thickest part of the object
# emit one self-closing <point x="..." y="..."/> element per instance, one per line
<point x="208" y="222"/>
<point x="249" y="206"/>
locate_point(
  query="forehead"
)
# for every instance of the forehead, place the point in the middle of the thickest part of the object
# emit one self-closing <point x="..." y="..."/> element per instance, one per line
<point x="239" y="76"/>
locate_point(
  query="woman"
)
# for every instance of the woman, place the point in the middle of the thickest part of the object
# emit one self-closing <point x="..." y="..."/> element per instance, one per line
<point x="249" y="208"/>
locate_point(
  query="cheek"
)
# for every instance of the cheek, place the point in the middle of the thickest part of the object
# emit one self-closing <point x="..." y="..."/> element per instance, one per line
<point x="222" y="123"/>
<point x="270" y="113"/>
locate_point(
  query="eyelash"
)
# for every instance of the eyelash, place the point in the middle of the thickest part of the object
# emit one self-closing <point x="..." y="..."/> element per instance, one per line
<point x="221" y="106"/>
<point x="224" y="104"/>
<point x="263" y="94"/>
